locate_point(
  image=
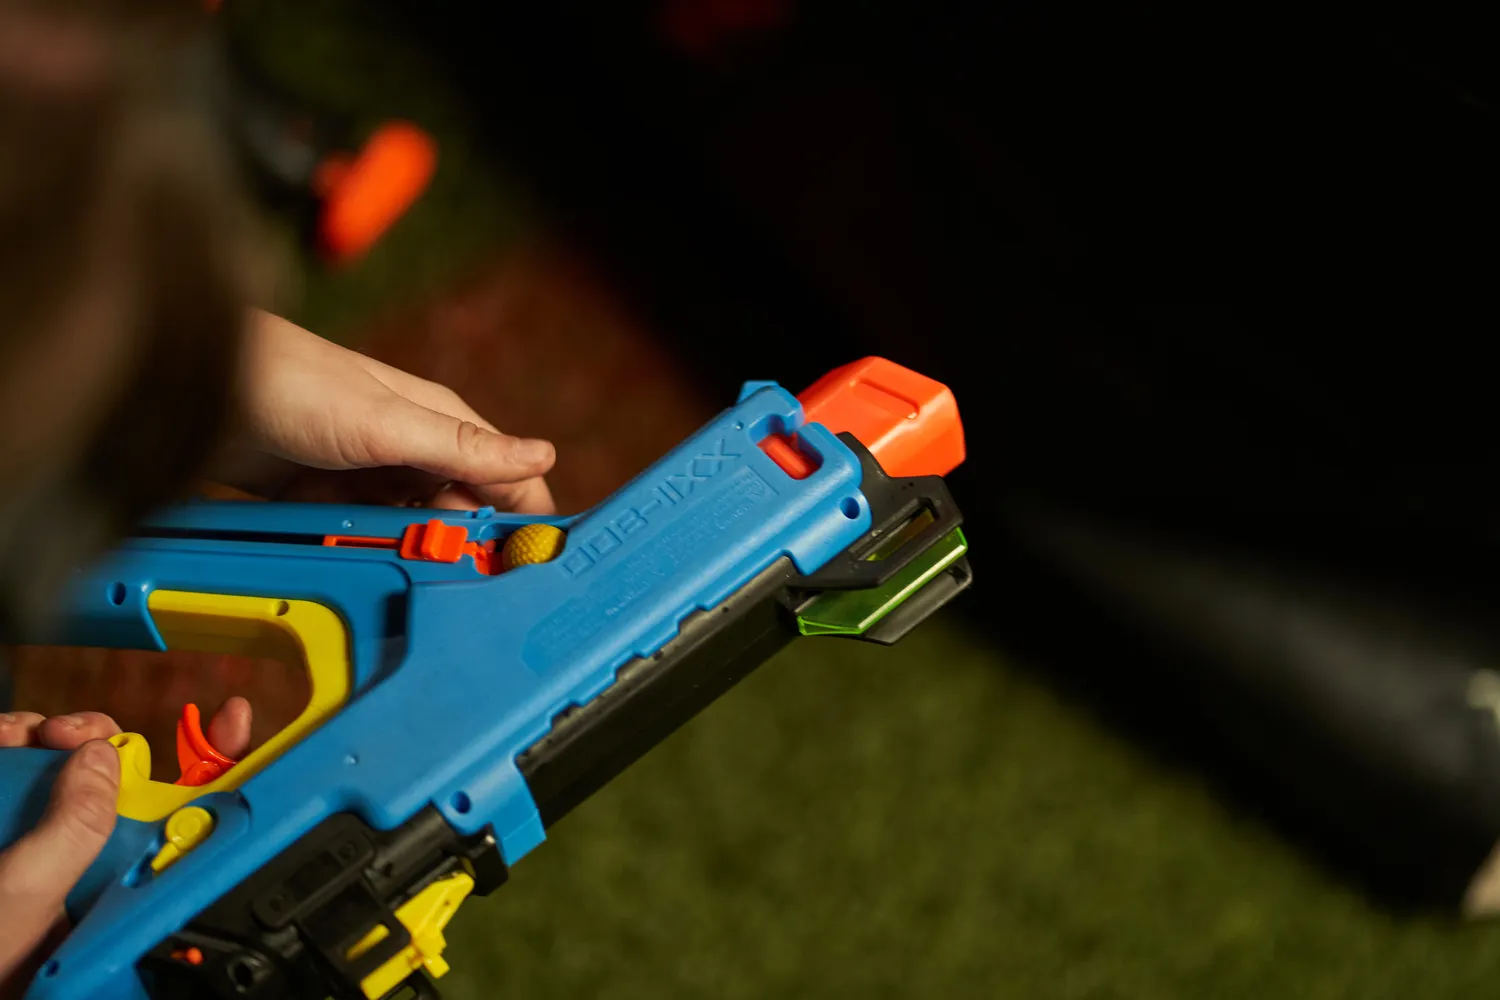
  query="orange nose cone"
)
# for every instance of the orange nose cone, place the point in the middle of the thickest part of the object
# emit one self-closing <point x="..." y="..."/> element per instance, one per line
<point x="908" y="421"/>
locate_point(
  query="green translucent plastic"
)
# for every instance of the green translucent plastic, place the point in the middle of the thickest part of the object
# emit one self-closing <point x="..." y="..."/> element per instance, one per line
<point x="853" y="612"/>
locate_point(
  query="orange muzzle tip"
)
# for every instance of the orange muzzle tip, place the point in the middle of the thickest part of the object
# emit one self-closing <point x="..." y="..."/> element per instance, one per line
<point x="909" y="422"/>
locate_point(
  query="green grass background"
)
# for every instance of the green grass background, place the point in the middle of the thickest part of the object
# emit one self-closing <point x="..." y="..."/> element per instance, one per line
<point x="925" y="821"/>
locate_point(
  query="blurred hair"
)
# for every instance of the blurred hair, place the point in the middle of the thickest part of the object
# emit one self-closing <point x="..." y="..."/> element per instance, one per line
<point x="121" y="233"/>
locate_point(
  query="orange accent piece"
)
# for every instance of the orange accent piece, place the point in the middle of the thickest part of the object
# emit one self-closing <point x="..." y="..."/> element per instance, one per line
<point x="192" y="956"/>
<point x="484" y="556"/>
<point x="785" y="454"/>
<point x="199" y="761"/>
<point x="430" y="542"/>
<point x="434" y="541"/>
<point x="909" y="422"/>
<point x="360" y="542"/>
<point x="374" y="190"/>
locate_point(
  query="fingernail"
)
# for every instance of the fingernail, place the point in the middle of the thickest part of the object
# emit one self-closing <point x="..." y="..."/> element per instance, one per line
<point x="71" y="721"/>
<point x="534" y="450"/>
<point x="100" y="756"/>
<point x="8" y="717"/>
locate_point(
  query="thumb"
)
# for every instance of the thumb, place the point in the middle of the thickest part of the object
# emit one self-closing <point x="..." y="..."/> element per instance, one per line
<point x="40" y="869"/>
<point x="460" y="450"/>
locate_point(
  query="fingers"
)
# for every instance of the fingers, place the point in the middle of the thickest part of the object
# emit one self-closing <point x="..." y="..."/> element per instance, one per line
<point x="40" y="869"/>
<point x="323" y="406"/>
<point x="387" y="485"/>
<point x="529" y="496"/>
<point x="433" y="395"/>
<point x="229" y="730"/>
<point x="457" y="449"/>
<point x="401" y="486"/>
<point x="455" y="496"/>
<point x="63" y="732"/>
<point x="18" y="729"/>
<point x="69" y="732"/>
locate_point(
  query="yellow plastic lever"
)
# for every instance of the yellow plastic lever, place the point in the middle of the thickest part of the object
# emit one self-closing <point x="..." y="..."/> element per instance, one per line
<point x="186" y="829"/>
<point x="424" y="915"/>
<point x="247" y="626"/>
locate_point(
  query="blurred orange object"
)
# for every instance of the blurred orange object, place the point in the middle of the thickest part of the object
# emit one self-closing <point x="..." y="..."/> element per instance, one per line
<point x="363" y="197"/>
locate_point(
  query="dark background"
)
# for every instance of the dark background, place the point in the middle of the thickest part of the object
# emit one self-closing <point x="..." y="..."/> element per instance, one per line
<point x="1213" y="282"/>
<point x="1217" y="274"/>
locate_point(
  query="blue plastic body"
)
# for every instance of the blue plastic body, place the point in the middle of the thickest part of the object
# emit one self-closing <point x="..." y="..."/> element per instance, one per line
<point x="26" y="777"/>
<point x="455" y="674"/>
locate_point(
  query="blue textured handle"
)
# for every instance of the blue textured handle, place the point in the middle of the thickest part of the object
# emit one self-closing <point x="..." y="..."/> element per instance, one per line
<point x="26" y="779"/>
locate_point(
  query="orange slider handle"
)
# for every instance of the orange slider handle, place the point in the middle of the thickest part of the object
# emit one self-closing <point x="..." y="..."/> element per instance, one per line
<point x="199" y="761"/>
<point x="908" y="421"/>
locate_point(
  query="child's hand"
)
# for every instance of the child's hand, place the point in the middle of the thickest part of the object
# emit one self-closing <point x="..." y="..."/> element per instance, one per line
<point x="375" y="433"/>
<point x="38" y="871"/>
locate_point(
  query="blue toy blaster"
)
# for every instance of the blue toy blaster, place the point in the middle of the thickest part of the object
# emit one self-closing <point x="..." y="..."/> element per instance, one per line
<point x="473" y="677"/>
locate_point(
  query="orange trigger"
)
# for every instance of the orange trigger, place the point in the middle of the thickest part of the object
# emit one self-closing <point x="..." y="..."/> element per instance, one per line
<point x="199" y="761"/>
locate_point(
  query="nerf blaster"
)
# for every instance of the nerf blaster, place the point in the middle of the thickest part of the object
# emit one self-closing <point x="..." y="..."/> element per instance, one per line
<point x="473" y="677"/>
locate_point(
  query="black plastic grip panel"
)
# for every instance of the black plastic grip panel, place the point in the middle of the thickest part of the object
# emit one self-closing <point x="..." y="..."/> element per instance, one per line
<point x="894" y="503"/>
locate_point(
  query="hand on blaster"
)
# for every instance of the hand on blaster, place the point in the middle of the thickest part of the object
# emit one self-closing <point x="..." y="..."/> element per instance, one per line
<point x="38" y="871"/>
<point x="315" y="422"/>
<point x="323" y="423"/>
